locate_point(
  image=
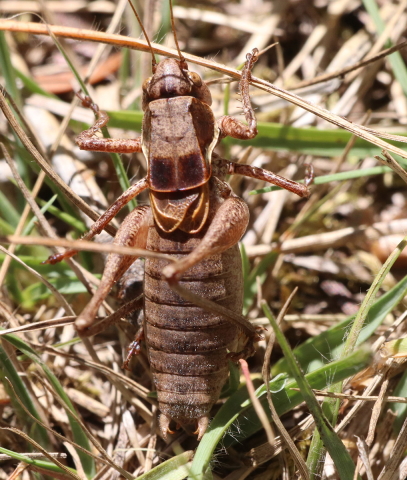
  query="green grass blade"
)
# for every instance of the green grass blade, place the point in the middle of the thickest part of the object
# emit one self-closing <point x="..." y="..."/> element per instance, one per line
<point x="117" y="162"/>
<point x="121" y="173"/>
<point x="275" y="136"/>
<point x="51" y="467"/>
<point x="395" y="59"/>
<point x="7" y="70"/>
<point x="69" y="62"/>
<point x="285" y="398"/>
<point x="354" y="334"/>
<point x="233" y="382"/>
<point x="59" y="269"/>
<point x="238" y="407"/>
<point x="6" y="228"/>
<point x="8" y="73"/>
<point x="328" y="345"/>
<point x="31" y="224"/>
<point x="126" y="119"/>
<point x="245" y="263"/>
<point x="75" y="223"/>
<point x="310" y="141"/>
<point x="79" y="435"/>
<point x="7" y="371"/>
<point x="259" y="271"/>
<point x="330" y="406"/>
<point x="31" y="85"/>
<point x="175" y="468"/>
<point x="66" y="285"/>
<point x="247" y="288"/>
<point x="339" y="454"/>
<point x="400" y="409"/>
<point x="8" y="212"/>
<point x="336" y="177"/>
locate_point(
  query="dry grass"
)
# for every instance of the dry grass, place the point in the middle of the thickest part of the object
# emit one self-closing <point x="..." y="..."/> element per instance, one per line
<point x="331" y="245"/>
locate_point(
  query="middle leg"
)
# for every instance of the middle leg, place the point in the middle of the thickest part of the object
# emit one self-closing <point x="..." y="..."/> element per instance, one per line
<point x="222" y="167"/>
<point x="104" y="219"/>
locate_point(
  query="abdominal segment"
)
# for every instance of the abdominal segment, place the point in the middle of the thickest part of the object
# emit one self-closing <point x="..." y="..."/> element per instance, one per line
<point x="188" y="346"/>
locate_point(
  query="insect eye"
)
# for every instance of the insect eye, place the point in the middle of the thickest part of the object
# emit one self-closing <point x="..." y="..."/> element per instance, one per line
<point x="195" y="78"/>
<point x="146" y="84"/>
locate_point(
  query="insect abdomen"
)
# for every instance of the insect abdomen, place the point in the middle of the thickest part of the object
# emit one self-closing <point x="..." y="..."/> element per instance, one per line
<point x="188" y="346"/>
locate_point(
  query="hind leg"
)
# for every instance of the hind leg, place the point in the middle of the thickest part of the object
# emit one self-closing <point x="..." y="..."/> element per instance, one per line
<point x="132" y="233"/>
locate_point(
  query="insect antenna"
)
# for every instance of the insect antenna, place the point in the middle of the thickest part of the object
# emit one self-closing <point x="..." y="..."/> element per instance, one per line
<point x="181" y="57"/>
<point x="153" y="60"/>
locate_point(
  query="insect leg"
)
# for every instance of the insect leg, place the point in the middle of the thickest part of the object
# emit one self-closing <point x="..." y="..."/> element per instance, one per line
<point x="231" y="127"/>
<point x="232" y="168"/>
<point x="115" y="317"/>
<point x="87" y="140"/>
<point x="132" y="233"/>
<point x="104" y="219"/>
<point x="134" y="348"/>
<point x="226" y="229"/>
<point x="227" y="226"/>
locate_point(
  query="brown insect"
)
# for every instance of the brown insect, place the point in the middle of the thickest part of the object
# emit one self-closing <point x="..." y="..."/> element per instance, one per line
<point x="192" y="323"/>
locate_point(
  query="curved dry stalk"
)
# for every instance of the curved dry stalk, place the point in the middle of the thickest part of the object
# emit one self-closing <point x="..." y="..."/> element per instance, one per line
<point x="38" y="183"/>
<point x="84" y="245"/>
<point x="69" y="473"/>
<point x="390" y="162"/>
<point x="343" y="71"/>
<point x="31" y="327"/>
<point x="256" y="403"/>
<point x="365" y="398"/>
<point x="60" y="298"/>
<point x="73" y="197"/>
<point x="299" y="461"/>
<point x="123" y="41"/>
<point x="104" y="457"/>
<point x="127" y="382"/>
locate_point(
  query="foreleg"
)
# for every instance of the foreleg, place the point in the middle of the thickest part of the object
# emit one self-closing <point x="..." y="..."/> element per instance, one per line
<point x="87" y="140"/>
<point x="231" y="127"/>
